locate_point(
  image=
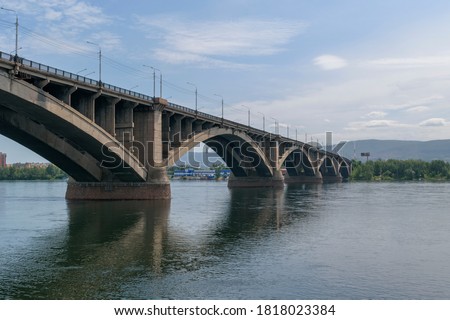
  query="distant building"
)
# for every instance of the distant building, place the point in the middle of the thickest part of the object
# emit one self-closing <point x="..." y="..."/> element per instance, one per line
<point x="2" y="160"/>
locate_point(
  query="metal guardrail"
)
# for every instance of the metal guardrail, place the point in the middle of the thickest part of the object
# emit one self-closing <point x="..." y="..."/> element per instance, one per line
<point x="75" y="77"/>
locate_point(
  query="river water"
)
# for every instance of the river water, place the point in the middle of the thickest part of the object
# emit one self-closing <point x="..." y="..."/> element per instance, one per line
<point x="332" y="241"/>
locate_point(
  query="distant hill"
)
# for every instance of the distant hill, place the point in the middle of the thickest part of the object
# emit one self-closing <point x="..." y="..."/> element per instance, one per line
<point x="398" y="149"/>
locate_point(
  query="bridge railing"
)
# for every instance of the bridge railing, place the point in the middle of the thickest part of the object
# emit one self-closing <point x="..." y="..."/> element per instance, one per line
<point x="69" y="75"/>
<point x="72" y="76"/>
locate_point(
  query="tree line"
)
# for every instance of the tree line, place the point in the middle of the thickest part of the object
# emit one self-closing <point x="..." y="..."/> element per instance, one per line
<point x="14" y="172"/>
<point x="400" y="170"/>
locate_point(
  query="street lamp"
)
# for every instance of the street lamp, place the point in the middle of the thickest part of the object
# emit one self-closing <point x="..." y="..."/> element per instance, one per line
<point x="264" y="120"/>
<point x="196" y="95"/>
<point x="154" y="80"/>
<point x="17" y="28"/>
<point x="222" y="104"/>
<point x="81" y="71"/>
<point x="277" y="131"/>
<point x="248" y="114"/>
<point x="99" y="61"/>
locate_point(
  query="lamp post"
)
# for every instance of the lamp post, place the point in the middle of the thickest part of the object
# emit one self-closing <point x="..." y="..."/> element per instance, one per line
<point x="247" y="114"/>
<point x="276" y="125"/>
<point x="154" y="80"/>
<point x="196" y="96"/>
<point x="222" y="104"/>
<point x="264" y="120"/>
<point x="81" y="71"/>
<point x="99" y="61"/>
<point x="17" y="29"/>
<point x="160" y="81"/>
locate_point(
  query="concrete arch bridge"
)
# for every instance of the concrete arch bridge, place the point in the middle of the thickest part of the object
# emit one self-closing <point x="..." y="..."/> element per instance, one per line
<point x="116" y="143"/>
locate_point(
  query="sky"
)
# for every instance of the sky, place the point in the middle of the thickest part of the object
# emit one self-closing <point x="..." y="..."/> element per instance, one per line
<point x="360" y="69"/>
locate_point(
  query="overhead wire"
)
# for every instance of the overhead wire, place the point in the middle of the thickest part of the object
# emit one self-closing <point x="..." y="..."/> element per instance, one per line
<point x="112" y="63"/>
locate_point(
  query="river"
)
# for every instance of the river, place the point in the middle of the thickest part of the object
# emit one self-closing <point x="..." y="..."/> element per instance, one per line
<point x="331" y="241"/>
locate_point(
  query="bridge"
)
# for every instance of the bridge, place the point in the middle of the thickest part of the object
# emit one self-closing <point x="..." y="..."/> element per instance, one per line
<point x="117" y="144"/>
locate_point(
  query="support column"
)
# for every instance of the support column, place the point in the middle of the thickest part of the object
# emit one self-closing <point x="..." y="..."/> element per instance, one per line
<point x="86" y="105"/>
<point x="147" y="141"/>
<point x="105" y="113"/>
<point x="124" y="122"/>
<point x="62" y="93"/>
<point x="186" y="128"/>
<point x="165" y="134"/>
<point x="67" y="94"/>
<point x="175" y="129"/>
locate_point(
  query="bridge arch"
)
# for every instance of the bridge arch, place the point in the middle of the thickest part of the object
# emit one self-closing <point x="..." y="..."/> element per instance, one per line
<point x="300" y="160"/>
<point x="238" y="150"/>
<point x="345" y="168"/>
<point x="57" y="132"/>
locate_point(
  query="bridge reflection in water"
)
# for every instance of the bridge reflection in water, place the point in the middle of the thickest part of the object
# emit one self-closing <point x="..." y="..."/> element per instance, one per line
<point x="108" y="248"/>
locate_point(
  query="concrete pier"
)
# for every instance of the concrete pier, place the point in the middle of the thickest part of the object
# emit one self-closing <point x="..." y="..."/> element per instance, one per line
<point x="117" y="191"/>
<point x="303" y="179"/>
<point x="256" y="182"/>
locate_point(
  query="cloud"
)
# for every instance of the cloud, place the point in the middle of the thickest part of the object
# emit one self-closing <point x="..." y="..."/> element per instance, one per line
<point x="63" y="19"/>
<point x="416" y="105"/>
<point x="330" y="62"/>
<point x="177" y="57"/>
<point x="418" y="62"/>
<point x="418" y="109"/>
<point x="382" y="124"/>
<point x="206" y="40"/>
<point x="376" y="114"/>
<point x="433" y="122"/>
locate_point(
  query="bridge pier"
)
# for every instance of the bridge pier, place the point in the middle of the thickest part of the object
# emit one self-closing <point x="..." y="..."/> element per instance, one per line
<point x="276" y="181"/>
<point x="332" y="179"/>
<point x="117" y="190"/>
<point x="303" y="179"/>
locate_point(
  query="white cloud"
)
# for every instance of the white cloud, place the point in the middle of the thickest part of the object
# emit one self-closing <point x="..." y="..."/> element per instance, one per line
<point x="205" y="40"/>
<point x="63" y="18"/>
<point x="330" y="62"/>
<point x="418" y="109"/>
<point x="433" y="122"/>
<point x="419" y="62"/>
<point x="177" y="57"/>
<point x="382" y="123"/>
<point x="376" y="114"/>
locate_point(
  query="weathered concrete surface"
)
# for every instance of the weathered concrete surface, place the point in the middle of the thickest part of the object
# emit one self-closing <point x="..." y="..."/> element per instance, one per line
<point x="256" y="182"/>
<point x="332" y="179"/>
<point x="303" y="179"/>
<point x="57" y="117"/>
<point x="117" y="191"/>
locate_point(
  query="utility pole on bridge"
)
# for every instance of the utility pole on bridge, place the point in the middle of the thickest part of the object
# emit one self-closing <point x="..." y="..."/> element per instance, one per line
<point x="17" y="30"/>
